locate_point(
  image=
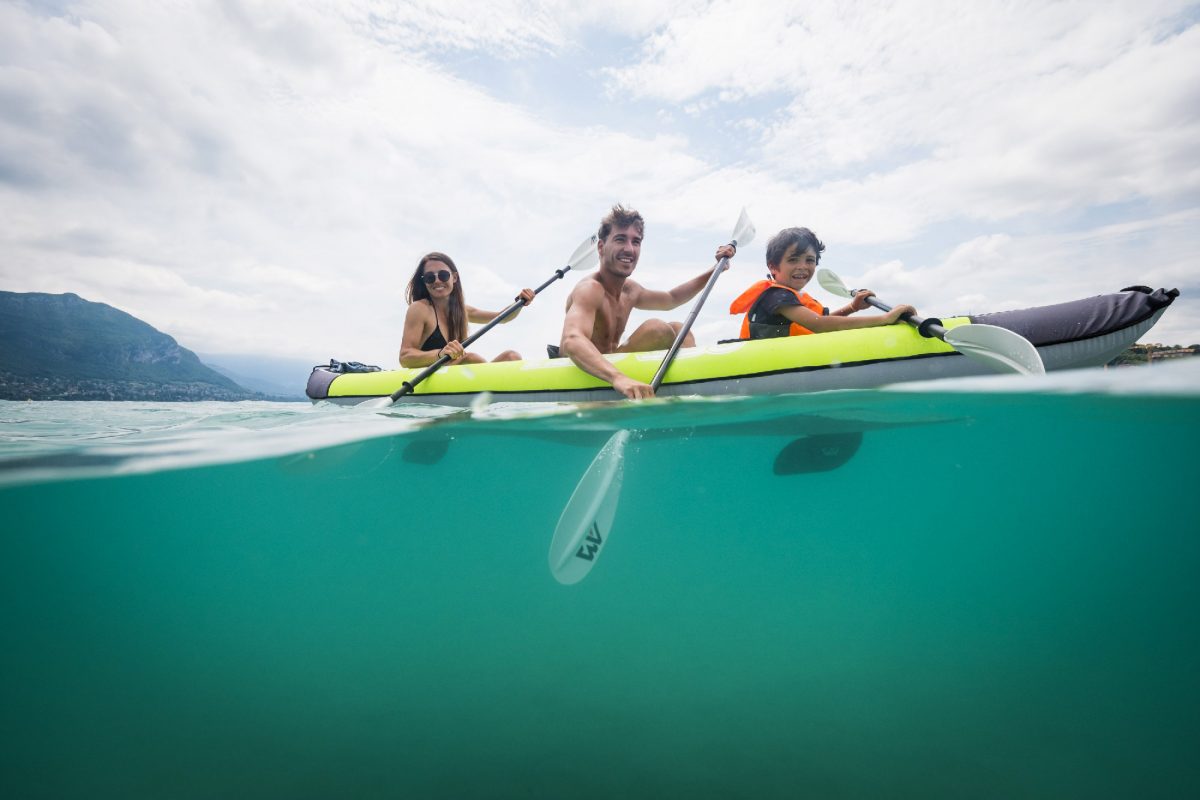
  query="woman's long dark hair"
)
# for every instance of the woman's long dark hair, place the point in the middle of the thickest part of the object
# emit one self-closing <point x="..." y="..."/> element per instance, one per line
<point x="456" y="316"/>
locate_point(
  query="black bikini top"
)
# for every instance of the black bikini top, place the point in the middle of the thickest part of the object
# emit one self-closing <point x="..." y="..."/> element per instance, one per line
<point x="436" y="340"/>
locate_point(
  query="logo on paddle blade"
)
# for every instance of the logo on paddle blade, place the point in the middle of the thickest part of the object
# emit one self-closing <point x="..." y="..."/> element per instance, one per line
<point x="591" y="544"/>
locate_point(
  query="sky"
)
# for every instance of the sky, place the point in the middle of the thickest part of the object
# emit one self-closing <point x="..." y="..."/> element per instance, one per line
<point x="263" y="177"/>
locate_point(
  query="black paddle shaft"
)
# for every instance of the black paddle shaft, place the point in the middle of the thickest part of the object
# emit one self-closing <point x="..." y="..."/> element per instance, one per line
<point x="929" y="327"/>
<point x="408" y="386"/>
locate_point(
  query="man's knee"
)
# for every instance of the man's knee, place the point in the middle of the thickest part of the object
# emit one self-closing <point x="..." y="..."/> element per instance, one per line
<point x="688" y="341"/>
<point x="653" y="334"/>
<point x="659" y="331"/>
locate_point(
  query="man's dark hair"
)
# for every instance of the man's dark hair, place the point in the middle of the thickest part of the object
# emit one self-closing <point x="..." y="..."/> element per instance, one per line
<point x="803" y="238"/>
<point x="620" y="217"/>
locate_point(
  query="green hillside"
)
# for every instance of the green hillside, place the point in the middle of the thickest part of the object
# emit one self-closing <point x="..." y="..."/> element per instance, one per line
<point x="60" y="346"/>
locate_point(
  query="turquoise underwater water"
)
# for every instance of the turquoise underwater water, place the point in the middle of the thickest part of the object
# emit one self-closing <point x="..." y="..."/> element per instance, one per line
<point x="996" y="596"/>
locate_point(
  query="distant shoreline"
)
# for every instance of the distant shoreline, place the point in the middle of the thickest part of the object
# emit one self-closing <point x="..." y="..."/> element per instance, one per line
<point x="21" y="388"/>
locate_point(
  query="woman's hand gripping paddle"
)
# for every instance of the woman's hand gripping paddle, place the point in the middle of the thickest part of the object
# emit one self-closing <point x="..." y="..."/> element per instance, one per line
<point x="585" y="257"/>
<point x="999" y="348"/>
<point x="586" y="520"/>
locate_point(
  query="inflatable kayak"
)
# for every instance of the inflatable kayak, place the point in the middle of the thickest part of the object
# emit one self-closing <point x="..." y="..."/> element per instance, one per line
<point x="1080" y="333"/>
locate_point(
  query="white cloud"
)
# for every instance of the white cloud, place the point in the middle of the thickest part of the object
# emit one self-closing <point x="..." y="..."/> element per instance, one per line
<point x="508" y="29"/>
<point x="918" y="107"/>
<point x="343" y="171"/>
<point x="1002" y="271"/>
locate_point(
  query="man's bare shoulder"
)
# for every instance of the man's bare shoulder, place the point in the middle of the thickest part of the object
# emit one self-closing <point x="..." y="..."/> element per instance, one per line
<point x="632" y="289"/>
<point x="589" y="291"/>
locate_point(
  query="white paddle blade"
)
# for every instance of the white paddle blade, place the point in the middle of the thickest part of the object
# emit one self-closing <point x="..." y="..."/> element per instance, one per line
<point x="586" y="256"/>
<point x="743" y="232"/>
<point x="587" y="519"/>
<point x="376" y="402"/>
<point x="831" y="283"/>
<point x="999" y="348"/>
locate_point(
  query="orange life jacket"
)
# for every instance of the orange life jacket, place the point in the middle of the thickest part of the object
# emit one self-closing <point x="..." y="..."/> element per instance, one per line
<point x="748" y="298"/>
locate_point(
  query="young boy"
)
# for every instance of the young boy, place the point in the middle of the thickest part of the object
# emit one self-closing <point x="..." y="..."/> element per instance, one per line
<point x="780" y="307"/>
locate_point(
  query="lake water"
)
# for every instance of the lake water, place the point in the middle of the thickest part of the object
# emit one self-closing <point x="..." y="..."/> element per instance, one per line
<point x="995" y="596"/>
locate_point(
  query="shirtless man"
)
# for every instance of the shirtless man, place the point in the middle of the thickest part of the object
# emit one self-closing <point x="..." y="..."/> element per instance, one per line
<point x="598" y="307"/>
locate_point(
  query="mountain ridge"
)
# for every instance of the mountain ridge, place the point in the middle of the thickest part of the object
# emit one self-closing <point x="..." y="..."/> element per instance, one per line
<point x="64" y="347"/>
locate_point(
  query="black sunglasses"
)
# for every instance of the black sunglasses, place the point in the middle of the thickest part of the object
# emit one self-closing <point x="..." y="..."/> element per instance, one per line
<point x="442" y="275"/>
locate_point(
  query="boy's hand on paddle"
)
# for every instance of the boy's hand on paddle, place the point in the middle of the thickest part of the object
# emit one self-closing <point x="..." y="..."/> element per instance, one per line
<point x="526" y="296"/>
<point x="859" y="301"/>
<point x="726" y="251"/>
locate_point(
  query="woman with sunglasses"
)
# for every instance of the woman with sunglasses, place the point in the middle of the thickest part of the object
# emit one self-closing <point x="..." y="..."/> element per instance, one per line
<point x="437" y="317"/>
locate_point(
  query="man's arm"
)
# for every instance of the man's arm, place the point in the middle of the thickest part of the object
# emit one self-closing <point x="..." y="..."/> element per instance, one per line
<point x="578" y="346"/>
<point x="665" y="301"/>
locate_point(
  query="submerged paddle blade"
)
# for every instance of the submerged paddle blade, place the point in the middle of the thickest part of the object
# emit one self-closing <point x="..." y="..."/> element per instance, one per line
<point x="820" y="453"/>
<point x="425" y="451"/>
<point x="586" y="256"/>
<point x="743" y="232"/>
<point x="831" y="283"/>
<point x="999" y="348"/>
<point x="587" y="519"/>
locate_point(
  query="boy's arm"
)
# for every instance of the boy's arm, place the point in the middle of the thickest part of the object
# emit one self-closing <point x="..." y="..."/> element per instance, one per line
<point x="821" y="324"/>
<point x="857" y="303"/>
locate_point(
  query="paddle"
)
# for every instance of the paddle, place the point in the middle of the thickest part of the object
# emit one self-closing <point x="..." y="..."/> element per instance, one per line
<point x="999" y="348"/>
<point x="585" y="257"/>
<point x="587" y="518"/>
<point x="819" y="453"/>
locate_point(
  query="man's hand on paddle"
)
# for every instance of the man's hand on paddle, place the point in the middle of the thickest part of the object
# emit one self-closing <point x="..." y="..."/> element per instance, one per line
<point x="634" y="390"/>
<point x="725" y="251"/>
